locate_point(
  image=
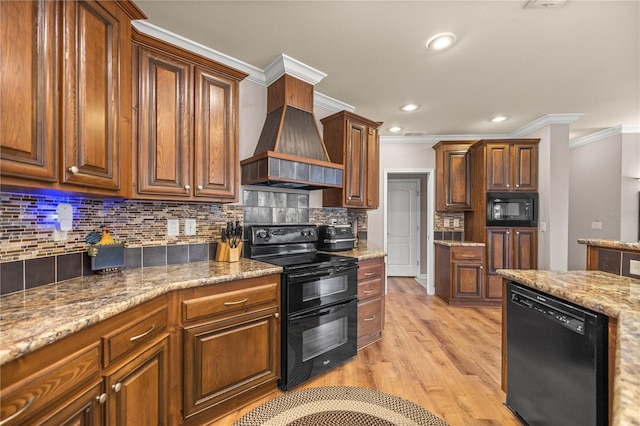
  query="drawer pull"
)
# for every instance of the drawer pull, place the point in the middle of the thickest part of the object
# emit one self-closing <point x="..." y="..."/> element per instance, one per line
<point x="369" y="291"/>
<point x="468" y="255"/>
<point x="19" y="412"/>
<point x="368" y="274"/>
<point x="370" y="318"/>
<point x="236" y="303"/>
<point x="139" y="336"/>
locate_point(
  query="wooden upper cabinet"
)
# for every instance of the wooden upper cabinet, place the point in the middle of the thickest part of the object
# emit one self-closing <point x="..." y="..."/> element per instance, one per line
<point x="80" y="116"/>
<point x="353" y="141"/>
<point x="453" y="175"/>
<point x="187" y="126"/>
<point x="512" y="165"/>
<point x="28" y="83"/>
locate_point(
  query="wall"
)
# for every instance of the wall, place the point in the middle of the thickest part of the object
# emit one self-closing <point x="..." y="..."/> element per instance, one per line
<point x="629" y="209"/>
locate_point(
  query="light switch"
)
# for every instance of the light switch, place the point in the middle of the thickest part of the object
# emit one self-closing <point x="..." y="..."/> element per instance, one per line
<point x="596" y="225"/>
<point x="446" y="222"/>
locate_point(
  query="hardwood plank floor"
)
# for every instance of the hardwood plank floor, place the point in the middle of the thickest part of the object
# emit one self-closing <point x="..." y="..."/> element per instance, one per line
<point x="445" y="359"/>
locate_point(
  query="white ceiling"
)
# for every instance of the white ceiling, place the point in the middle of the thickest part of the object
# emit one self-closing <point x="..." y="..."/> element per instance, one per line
<point x="523" y="62"/>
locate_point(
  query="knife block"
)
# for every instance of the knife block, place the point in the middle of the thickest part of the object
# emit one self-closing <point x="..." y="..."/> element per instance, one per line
<point x="226" y="253"/>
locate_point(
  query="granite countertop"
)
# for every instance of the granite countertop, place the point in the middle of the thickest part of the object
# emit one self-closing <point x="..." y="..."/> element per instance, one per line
<point x="364" y="251"/>
<point x="615" y="296"/>
<point x="453" y="243"/>
<point x="621" y="245"/>
<point x="37" y="317"/>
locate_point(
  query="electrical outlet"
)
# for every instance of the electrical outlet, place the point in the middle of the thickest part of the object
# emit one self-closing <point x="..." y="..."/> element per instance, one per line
<point x="596" y="225"/>
<point x="456" y="223"/>
<point x="543" y="226"/>
<point x="446" y="222"/>
<point x="634" y="267"/>
<point x="173" y="227"/>
<point x="189" y="227"/>
<point x="59" y="235"/>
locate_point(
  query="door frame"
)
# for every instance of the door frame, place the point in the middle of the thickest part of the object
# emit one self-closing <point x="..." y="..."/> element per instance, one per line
<point x="426" y="233"/>
<point x="417" y="213"/>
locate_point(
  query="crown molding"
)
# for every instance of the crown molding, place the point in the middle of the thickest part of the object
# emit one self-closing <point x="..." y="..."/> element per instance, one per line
<point x="330" y="103"/>
<point x="285" y="64"/>
<point x="544" y="121"/>
<point x="432" y="139"/>
<point x="603" y="134"/>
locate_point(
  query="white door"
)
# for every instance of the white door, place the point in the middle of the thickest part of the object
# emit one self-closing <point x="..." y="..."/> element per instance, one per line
<point x="402" y="227"/>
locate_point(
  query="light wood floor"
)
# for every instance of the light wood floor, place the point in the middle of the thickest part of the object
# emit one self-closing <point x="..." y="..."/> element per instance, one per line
<point x="445" y="359"/>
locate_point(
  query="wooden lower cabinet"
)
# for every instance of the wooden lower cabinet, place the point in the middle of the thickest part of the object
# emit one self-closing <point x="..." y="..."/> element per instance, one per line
<point x="508" y="248"/>
<point x="371" y="301"/>
<point x="459" y="275"/>
<point x="217" y="346"/>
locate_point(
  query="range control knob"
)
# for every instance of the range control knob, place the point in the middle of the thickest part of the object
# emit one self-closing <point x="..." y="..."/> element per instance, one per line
<point x="304" y="233"/>
<point x="311" y="232"/>
<point x="262" y="233"/>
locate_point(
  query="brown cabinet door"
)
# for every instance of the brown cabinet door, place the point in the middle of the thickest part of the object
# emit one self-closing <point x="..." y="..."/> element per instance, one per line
<point x="137" y="393"/>
<point x="28" y="83"/>
<point x="92" y="134"/>
<point x="164" y="125"/>
<point x="467" y="279"/>
<point x="226" y="358"/>
<point x="355" y="165"/>
<point x="525" y="248"/>
<point x="457" y="180"/>
<point x="85" y="410"/>
<point x="373" y="169"/>
<point x="498" y="249"/>
<point x="525" y="167"/>
<point x="216" y="155"/>
<point x="498" y="164"/>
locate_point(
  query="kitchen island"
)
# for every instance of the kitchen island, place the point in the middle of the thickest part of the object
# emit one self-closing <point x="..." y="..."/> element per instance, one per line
<point x="616" y="296"/>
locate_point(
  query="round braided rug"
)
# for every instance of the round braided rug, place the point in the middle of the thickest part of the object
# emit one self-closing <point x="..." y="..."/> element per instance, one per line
<point x="339" y="406"/>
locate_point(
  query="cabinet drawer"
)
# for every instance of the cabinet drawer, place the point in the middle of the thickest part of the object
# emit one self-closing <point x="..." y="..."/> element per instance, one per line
<point x="466" y="253"/>
<point x="369" y="288"/>
<point x="368" y="269"/>
<point x="370" y="316"/>
<point x="133" y="335"/>
<point x="229" y="301"/>
<point x="24" y="398"/>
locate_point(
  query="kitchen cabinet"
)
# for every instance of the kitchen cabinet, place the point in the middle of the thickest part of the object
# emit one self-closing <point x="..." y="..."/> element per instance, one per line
<point x="511" y="165"/>
<point x="187" y="124"/>
<point x="508" y="248"/>
<point x="353" y="141"/>
<point x="69" y="129"/>
<point x="459" y="274"/>
<point x="231" y="345"/>
<point x="371" y="275"/>
<point x="453" y="175"/>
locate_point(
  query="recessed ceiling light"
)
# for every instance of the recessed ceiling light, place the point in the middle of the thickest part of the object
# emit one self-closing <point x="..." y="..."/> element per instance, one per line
<point x="441" y="41"/>
<point x="499" y="118"/>
<point x="395" y="129"/>
<point x="410" y="107"/>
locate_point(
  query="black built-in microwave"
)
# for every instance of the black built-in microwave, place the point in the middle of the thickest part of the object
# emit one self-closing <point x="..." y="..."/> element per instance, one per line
<point x="512" y="209"/>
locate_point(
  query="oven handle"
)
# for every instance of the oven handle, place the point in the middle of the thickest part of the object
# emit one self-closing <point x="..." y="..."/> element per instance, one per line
<point x="321" y="312"/>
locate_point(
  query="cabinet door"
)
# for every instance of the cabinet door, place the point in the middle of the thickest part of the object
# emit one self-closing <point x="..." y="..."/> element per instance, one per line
<point x="85" y="410"/>
<point x="525" y="248"/>
<point x="138" y="392"/>
<point x="373" y="169"/>
<point x="226" y="358"/>
<point x="498" y="164"/>
<point x="355" y="165"/>
<point x="467" y="279"/>
<point x="92" y="108"/>
<point x="164" y="130"/>
<point x="28" y="83"/>
<point x="457" y="180"/>
<point x="498" y="249"/>
<point x="525" y="167"/>
<point x="216" y="155"/>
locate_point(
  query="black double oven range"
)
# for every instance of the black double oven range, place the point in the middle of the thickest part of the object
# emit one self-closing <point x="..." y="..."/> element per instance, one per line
<point x="319" y="300"/>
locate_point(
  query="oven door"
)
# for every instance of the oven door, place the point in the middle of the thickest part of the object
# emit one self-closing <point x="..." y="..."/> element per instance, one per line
<point x="315" y="287"/>
<point x="318" y="341"/>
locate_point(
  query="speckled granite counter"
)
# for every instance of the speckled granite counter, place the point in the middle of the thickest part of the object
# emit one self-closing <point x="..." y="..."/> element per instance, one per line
<point x="453" y="243"/>
<point x="34" y="318"/>
<point x="364" y="251"/>
<point x="612" y="295"/>
<point x="620" y="245"/>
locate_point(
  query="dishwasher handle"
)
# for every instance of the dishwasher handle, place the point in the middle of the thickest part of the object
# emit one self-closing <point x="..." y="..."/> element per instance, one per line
<point x="555" y="314"/>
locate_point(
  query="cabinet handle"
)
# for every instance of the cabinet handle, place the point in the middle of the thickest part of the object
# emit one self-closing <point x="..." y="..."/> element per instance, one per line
<point x="74" y="170"/>
<point x="369" y="291"/>
<point x="517" y="232"/>
<point x="349" y="198"/>
<point x="187" y="187"/>
<point x="481" y="267"/>
<point x="370" y="318"/>
<point x="507" y="232"/>
<point x="235" y="303"/>
<point x="369" y="274"/>
<point x="518" y="185"/>
<point x="507" y="185"/>
<point x="276" y="315"/>
<point x="200" y="187"/>
<point x="116" y="388"/>
<point x="134" y="338"/>
<point x="467" y="256"/>
<point x="19" y="412"/>
<point x="102" y="398"/>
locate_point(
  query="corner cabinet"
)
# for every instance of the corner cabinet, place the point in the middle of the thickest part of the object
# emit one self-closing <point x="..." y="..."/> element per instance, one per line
<point x="353" y="141"/>
<point x="453" y="175"/>
<point x="186" y="124"/>
<point x="371" y="291"/>
<point x="67" y="122"/>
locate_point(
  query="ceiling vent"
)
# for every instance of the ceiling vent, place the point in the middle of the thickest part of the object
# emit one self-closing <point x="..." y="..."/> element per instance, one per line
<point x="545" y="4"/>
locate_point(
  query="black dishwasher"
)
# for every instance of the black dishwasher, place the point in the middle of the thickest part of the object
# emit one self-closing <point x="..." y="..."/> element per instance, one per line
<point x="556" y="360"/>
